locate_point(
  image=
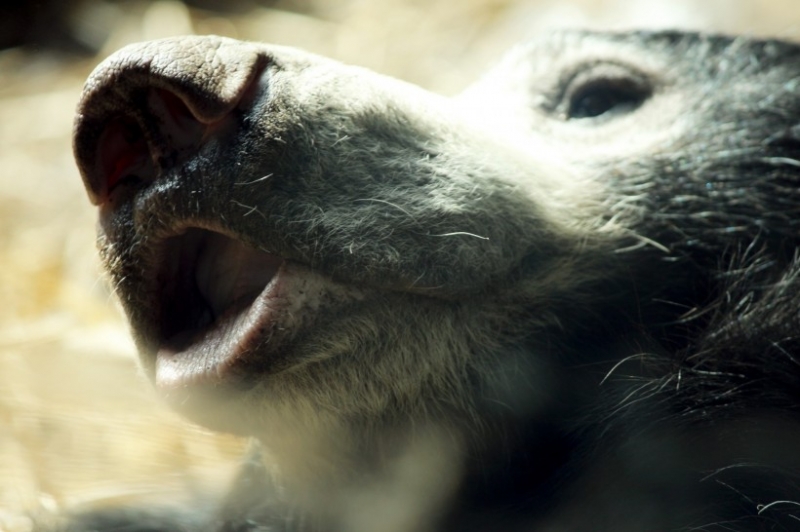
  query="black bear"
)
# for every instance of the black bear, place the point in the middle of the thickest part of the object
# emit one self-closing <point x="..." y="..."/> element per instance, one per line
<point x="566" y="299"/>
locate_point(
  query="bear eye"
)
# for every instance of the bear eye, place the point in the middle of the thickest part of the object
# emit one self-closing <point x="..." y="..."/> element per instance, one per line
<point x="604" y="96"/>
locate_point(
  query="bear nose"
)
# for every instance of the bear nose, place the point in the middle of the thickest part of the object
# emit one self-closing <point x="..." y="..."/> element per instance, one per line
<point x="150" y="105"/>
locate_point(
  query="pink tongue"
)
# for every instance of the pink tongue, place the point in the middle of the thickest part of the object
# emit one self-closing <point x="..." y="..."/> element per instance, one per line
<point x="228" y="271"/>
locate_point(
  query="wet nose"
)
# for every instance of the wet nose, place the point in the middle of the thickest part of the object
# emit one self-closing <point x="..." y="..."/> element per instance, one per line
<point x="150" y="105"/>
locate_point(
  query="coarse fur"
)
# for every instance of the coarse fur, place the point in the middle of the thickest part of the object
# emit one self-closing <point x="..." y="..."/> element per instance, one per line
<point x="566" y="299"/>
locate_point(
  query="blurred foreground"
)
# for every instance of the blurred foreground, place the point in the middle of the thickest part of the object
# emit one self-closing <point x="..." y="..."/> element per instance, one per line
<point x="76" y="422"/>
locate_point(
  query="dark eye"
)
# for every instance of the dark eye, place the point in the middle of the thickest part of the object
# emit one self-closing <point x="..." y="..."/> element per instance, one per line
<point x="606" y="97"/>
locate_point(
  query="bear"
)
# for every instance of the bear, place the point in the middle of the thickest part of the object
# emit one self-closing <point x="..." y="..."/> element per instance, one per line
<point x="565" y="299"/>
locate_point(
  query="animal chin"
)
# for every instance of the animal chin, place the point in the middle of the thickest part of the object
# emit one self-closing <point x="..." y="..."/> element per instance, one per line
<point x="218" y="300"/>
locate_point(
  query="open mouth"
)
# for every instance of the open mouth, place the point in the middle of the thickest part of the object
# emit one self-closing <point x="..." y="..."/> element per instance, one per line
<point x="219" y="298"/>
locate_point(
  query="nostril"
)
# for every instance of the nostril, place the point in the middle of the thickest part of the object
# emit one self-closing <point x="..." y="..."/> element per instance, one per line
<point x="180" y="114"/>
<point x="152" y="106"/>
<point x="134" y="149"/>
<point x="123" y="153"/>
<point x="176" y="131"/>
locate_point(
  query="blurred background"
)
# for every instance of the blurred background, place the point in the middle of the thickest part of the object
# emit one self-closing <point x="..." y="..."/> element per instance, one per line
<point x="77" y="423"/>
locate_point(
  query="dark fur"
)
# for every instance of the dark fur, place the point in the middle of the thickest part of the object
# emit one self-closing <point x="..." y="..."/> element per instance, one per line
<point x="622" y="355"/>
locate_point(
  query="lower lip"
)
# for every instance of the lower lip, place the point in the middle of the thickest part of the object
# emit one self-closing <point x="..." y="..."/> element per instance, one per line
<point x="211" y="354"/>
